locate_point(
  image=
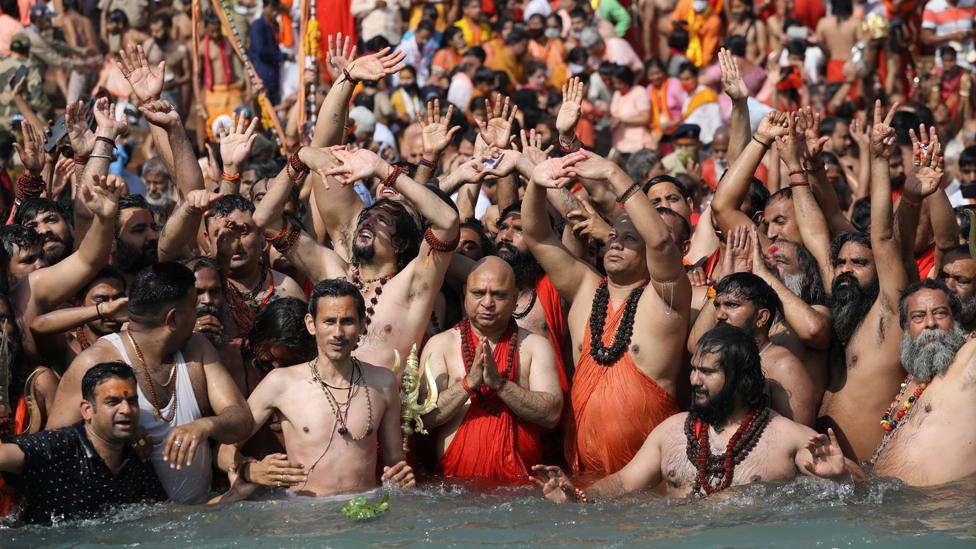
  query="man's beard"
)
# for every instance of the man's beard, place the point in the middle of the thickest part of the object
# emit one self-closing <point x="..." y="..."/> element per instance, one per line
<point x="849" y="305"/>
<point x="793" y="282"/>
<point x="56" y="255"/>
<point x="931" y="353"/>
<point x="162" y="200"/>
<point x="204" y="309"/>
<point x="131" y="260"/>
<point x="363" y="254"/>
<point x="968" y="314"/>
<point x="527" y="269"/>
<point x="717" y="409"/>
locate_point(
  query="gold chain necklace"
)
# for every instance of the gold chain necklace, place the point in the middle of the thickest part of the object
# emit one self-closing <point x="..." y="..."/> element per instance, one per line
<point x="153" y="399"/>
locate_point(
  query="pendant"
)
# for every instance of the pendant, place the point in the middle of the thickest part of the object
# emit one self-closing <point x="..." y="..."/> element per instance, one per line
<point x="343" y="431"/>
<point x="156" y="413"/>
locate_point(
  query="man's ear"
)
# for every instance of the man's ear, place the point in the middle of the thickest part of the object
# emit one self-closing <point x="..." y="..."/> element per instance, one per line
<point x="685" y="247"/>
<point x="87" y="410"/>
<point x="310" y="323"/>
<point x="763" y="318"/>
<point x="170" y="319"/>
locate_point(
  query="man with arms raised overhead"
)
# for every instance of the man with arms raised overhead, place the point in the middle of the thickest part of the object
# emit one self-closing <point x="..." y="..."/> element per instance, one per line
<point x="497" y="383"/>
<point x="628" y="338"/>
<point x="929" y="432"/>
<point x="334" y="409"/>
<point x="728" y="402"/>
<point x="185" y="396"/>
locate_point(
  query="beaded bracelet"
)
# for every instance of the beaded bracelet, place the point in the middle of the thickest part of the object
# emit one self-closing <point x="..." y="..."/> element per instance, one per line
<point x="438" y="245"/>
<point x="29" y="185"/>
<point x="427" y="163"/>
<point x="581" y="496"/>
<point x="296" y="163"/>
<point x="391" y="178"/>
<point x="280" y="234"/>
<point x="106" y="140"/>
<point x="764" y="145"/>
<point x="634" y="189"/>
<point x="288" y="242"/>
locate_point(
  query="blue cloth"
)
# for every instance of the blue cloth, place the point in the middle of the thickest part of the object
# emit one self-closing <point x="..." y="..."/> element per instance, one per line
<point x="267" y="57"/>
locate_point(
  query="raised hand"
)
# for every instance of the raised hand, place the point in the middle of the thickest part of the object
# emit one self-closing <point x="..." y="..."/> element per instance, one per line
<point x="532" y="147"/>
<point x="828" y="460"/>
<point x="101" y="196"/>
<point x="738" y="251"/>
<point x="788" y="144"/>
<point x="236" y="141"/>
<point x="555" y="485"/>
<point x="927" y="163"/>
<point x="161" y="113"/>
<point x="569" y="111"/>
<point x="773" y="125"/>
<point x="758" y="258"/>
<point x="376" y="66"/>
<point x="556" y="173"/>
<point x="355" y="166"/>
<point x="882" y="134"/>
<point x="31" y="153"/>
<point x="337" y="59"/>
<point x="505" y="162"/>
<point x="861" y="133"/>
<point x="435" y="135"/>
<point x="80" y="136"/>
<point x="587" y="223"/>
<point x="105" y="118"/>
<point x="115" y="309"/>
<point x="808" y="123"/>
<point x="732" y="83"/>
<point x="496" y="130"/>
<point x="64" y="170"/>
<point x="146" y="82"/>
<point x="200" y="201"/>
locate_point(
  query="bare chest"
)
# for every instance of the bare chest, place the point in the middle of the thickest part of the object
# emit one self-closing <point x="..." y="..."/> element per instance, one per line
<point x="312" y="413"/>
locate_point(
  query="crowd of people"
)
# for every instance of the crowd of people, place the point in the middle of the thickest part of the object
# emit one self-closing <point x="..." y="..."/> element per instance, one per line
<point x="622" y="236"/>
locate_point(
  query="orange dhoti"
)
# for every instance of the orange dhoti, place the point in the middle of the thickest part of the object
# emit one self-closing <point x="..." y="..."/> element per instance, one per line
<point x="613" y="409"/>
<point x="486" y="445"/>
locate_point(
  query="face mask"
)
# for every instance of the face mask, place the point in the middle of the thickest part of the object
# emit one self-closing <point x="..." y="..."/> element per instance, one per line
<point x="576" y="69"/>
<point x="699" y="5"/>
<point x="689" y="86"/>
<point x="552" y="33"/>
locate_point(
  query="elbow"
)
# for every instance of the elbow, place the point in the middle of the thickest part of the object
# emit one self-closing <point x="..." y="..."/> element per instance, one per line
<point x="818" y="334"/>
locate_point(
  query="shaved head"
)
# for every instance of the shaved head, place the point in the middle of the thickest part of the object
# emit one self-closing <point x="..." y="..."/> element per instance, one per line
<point x="490" y="295"/>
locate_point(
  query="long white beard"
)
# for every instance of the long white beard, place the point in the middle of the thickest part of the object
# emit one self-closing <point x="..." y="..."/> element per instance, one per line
<point x="931" y="353"/>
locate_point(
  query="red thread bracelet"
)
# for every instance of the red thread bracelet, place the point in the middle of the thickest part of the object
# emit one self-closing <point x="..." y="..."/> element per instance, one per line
<point x="464" y="385"/>
<point x="911" y="203"/>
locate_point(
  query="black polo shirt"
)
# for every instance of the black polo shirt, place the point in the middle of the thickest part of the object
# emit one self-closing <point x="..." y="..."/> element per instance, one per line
<point x="65" y="478"/>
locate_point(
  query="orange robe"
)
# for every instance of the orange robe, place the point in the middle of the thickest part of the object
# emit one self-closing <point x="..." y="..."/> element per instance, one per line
<point x="613" y="409"/>
<point x="553" y="308"/>
<point x="501" y="447"/>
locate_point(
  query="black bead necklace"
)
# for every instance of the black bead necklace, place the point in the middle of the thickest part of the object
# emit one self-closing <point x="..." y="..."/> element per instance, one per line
<point x="606" y="356"/>
<point x="341" y="411"/>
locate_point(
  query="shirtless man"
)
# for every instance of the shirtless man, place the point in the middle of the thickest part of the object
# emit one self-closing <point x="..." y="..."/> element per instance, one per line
<point x="646" y="345"/>
<point x="743" y="300"/>
<point x="471" y="379"/>
<point x="79" y="33"/>
<point x="728" y="400"/>
<point x="930" y="442"/>
<point x="136" y="237"/>
<point x="328" y="452"/>
<point x="221" y="95"/>
<point x="185" y="396"/>
<point x="868" y="279"/>
<point x="162" y="47"/>
<point x="959" y="275"/>
<point x="836" y="34"/>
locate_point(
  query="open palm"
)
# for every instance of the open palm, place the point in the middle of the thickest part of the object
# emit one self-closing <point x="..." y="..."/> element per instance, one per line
<point x="146" y="81"/>
<point x="569" y="111"/>
<point x="435" y="135"/>
<point x="236" y="145"/>
<point x="101" y="196"/>
<point x="732" y="83"/>
<point x="79" y="133"/>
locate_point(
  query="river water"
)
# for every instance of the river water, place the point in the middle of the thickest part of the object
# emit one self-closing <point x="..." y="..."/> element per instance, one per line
<point x="803" y="513"/>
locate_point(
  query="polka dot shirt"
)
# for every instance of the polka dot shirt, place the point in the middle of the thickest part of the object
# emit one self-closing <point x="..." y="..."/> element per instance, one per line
<point x="64" y="477"/>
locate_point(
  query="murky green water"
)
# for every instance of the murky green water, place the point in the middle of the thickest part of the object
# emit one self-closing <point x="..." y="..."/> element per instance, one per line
<point x="803" y="513"/>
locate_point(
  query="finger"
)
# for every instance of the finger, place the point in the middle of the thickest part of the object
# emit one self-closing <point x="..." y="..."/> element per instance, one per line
<point x="191" y="450"/>
<point x="331" y="45"/>
<point x="891" y="113"/>
<point x="168" y="447"/>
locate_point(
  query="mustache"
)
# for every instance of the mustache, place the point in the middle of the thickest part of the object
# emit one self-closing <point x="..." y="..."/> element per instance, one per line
<point x="51" y="237"/>
<point x="208" y="309"/>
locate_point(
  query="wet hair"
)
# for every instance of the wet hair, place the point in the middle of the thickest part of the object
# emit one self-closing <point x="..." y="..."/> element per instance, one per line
<point x="927" y="284"/>
<point x="336" y="287"/>
<point x="736" y="44"/>
<point x="127" y="202"/>
<point x="838" y="242"/>
<point x="754" y="289"/>
<point x="965" y="225"/>
<point x="968" y="156"/>
<point x="104" y="371"/>
<point x="682" y="222"/>
<point x="19" y="236"/>
<point x="158" y="288"/>
<point x="107" y="273"/>
<point x="688" y="66"/>
<point x="667" y="179"/>
<point x="785" y="192"/>
<point x="758" y="196"/>
<point x="229" y="204"/>
<point x="407" y="230"/>
<point x="34" y="206"/>
<point x="641" y="162"/>
<point x="739" y="356"/>
<point x="861" y="214"/>
<point x="813" y="292"/>
<point x="282" y="322"/>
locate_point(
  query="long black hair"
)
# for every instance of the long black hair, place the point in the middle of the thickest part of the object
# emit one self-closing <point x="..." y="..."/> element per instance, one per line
<point x="739" y="356"/>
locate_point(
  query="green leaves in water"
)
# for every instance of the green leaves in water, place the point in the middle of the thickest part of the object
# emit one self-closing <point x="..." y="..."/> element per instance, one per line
<point x="357" y="509"/>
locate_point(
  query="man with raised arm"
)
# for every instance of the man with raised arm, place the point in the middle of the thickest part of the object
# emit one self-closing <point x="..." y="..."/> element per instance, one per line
<point x="497" y="383"/>
<point x="868" y="280"/>
<point x="186" y="397"/>
<point x="628" y="330"/>
<point x="398" y="268"/>
<point x="930" y="426"/>
<point x="334" y="410"/>
<point x="729" y="410"/>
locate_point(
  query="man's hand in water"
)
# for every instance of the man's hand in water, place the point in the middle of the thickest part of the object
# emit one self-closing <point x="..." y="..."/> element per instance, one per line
<point x="828" y="460"/>
<point x="275" y="470"/>
<point x="554" y="483"/>
<point x="401" y="474"/>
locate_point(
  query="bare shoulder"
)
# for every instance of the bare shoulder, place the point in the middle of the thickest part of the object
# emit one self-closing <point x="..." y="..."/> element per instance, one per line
<point x="781" y="360"/>
<point x="287" y="286"/>
<point x="379" y="378"/>
<point x="198" y="349"/>
<point x="671" y="429"/>
<point x="534" y="343"/>
<point x="784" y="428"/>
<point x="441" y="341"/>
<point x="100" y="351"/>
<point x="963" y="366"/>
